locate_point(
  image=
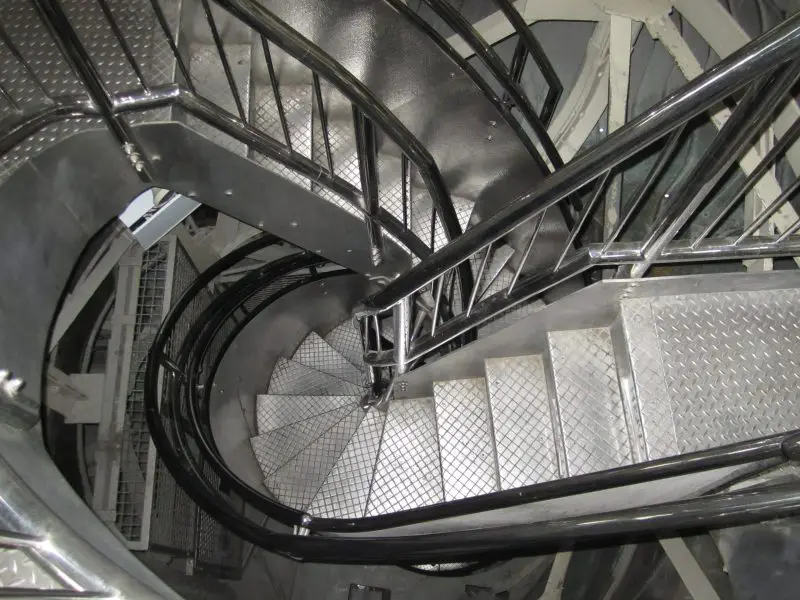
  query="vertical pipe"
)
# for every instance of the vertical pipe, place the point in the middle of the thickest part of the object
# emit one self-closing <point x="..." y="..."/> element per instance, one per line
<point x="276" y="92"/>
<point x="226" y="65"/>
<point x="402" y="331"/>
<point x="366" y="146"/>
<point x="126" y="49"/>
<point x="323" y="121"/>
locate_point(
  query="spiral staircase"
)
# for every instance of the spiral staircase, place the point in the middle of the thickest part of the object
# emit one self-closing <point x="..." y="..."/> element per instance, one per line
<point x="435" y="334"/>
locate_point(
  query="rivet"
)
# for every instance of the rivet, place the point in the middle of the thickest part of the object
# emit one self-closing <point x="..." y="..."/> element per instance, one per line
<point x="228" y="192"/>
<point x="293" y="223"/>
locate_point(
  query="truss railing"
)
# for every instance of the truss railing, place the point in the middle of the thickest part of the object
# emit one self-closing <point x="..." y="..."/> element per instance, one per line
<point x="766" y="70"/>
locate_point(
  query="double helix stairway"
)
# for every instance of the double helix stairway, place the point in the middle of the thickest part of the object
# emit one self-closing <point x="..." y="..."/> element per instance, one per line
<point x="362" y="141"/>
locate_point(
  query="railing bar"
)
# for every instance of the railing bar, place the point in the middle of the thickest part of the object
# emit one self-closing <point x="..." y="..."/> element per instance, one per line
<point x="755" y="175"/>
<point x="437" y="299"/>
<point x="12" y="47"/>
<point x="405" y="188"/>
<point x="773" y="48"/>
<point x="750" y="115"/>
<point x="323" y="121"/>
<point x="9" y="98"/>
<point x="433" y="229"/>
<point x="126" y="49"/>
<point x="479" y="277"/>
<point x="770" y="210"/>
<point x="789" y="232"/>
<point x="518" y="61"/>
<point x="162" y="21"/>
<point x="489" y="57"/>
<point x="376" y="323"/>
<point x="276" y="92"/>
<point x="226" y="66"/>
<point x="367" y="151"/>
<point x="600" y="187"/>
<point x="539" y="56"/>
<point x="523" y="259"/>
<point x="646" y="185"/>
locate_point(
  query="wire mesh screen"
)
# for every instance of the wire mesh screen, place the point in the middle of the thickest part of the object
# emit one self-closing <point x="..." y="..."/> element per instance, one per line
<point x="135" y="444"/>
<point x="172" y="525"/>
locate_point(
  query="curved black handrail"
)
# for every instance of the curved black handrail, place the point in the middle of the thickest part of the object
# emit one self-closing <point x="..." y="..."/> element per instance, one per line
<point x="191" y="357"/>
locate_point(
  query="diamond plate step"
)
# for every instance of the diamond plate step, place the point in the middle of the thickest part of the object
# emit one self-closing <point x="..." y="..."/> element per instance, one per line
<point x="469" y="466"/>
<point x="408" y="473"/>
<point x="346" y="340"/>
<point x="589" y="401"/>
<point x="277" y="447"/>
<point x="298" y="481"/>
<point x="344" y="493"/>
<point x="523" y="421"/>
<point x="290" y="378"/>
<point x="274" y="412"/>
<point x="318" y="354"/>
<point x="725" y="364"/>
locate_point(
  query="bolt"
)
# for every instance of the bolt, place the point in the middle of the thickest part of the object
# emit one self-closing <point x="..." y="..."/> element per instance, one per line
<point x="305" y="520"/>
<point x="293" y="223"/>
<point x="10" y="385"/>
<point x="489" y="138"/>
<point x="492" y="123"/>
<point x="403" y="386"/>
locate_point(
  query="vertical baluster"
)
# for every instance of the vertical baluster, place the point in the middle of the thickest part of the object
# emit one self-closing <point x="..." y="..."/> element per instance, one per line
<point x="479" y="278"/>
<point x="366" y="145"/>
<point x="433" y="230"/>
<point x="323" y="121"/>
<point x="539" y="56"/>
<point x="646" y="185"/>
<point x="276" y="92"/>
<point x="402" y="330"/>
<point x="162" y="21"/>
<point x="226" y="66"/>
<point x="524" y="258"/>
<point x="406" y="188"/>
<point x="439" y="284"/>
<point x="126" y="49"/>
<point x="600" y="187"/>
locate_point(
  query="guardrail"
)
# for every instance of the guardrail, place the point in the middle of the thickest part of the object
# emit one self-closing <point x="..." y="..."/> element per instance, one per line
<point x="766" y="69"/>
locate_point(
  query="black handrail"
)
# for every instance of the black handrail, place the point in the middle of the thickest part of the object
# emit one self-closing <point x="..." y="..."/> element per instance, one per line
<point x="193" y="356"/>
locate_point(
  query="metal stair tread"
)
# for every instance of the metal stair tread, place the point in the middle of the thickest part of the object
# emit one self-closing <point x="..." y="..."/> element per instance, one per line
<point x="522" y="420"/>
<point x="408" y="474"/>
<point x="277" y="447"/>
<point x="346" y="340"/>
<point x="318" y="354"/>
<point x="466" y="443"/>
<point x="290" y="378"/>
<point x="274" y="411"/>
<point x="589" y="402"/>
<point x="721" y="355"/>
<point x="298" y="481"/>
<point x="345" y="491"/>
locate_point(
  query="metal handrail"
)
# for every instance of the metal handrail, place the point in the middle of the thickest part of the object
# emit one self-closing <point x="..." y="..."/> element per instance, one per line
<point x="100" y="102"/>
<point x="759" y="66"/>
<point x="186" y="445"/>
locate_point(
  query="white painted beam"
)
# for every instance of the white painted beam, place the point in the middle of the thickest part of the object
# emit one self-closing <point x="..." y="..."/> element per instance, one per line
<point x="690" y="572"/>
<point x="496" y="26"/>
<point x="83" y="292"/>
<point x="619" y="73"/>
<point x="558" y="575"/>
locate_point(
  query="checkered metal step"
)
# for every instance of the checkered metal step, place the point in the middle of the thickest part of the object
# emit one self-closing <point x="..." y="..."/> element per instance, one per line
<point x="697" y="369"/>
